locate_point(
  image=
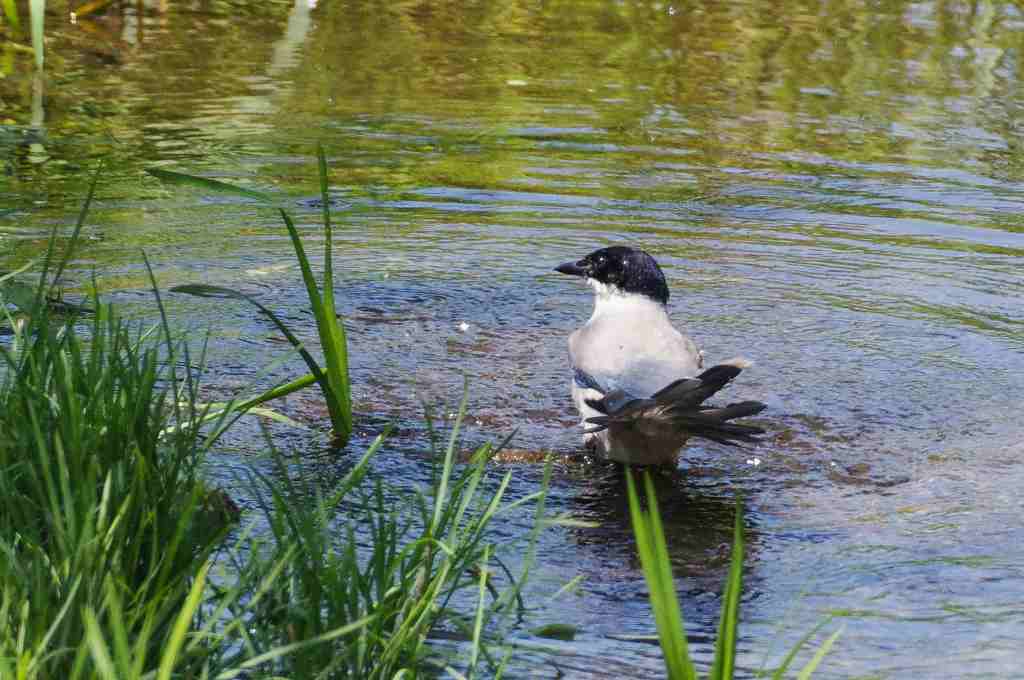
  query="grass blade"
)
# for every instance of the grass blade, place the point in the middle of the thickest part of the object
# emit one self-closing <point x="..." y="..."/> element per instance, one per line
<point x="478" y="624"/>
<point x="37" y="14"/>
<point x="11" y="13"/>
<point x="725" y="645"/>
<point x="78" y="225"/>
<point x="328" y="233"/>
<point x="182" y="625"/>
<point x="168" y="338"/>
<point x="650" y="541"/>
<point x="19" y="270"/>
<point x="98" y="648"/>
<point x="181" y="178"/>
<point x="812" y="665"/>
<point x="780" y="672"/>
<point x="203" y="290"/>
<point x="449" y="462"/>
<point x="284" y="650"/>
<point x="332" y="329"/>
<point x="670" y="600"/>
<point x="332" y="340"/>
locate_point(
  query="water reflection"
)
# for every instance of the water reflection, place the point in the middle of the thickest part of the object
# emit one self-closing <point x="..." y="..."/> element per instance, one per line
<point x="698" y="522"/>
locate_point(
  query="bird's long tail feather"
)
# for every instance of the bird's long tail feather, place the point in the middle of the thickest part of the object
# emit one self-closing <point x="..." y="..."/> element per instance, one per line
<point x="679" y="408"/>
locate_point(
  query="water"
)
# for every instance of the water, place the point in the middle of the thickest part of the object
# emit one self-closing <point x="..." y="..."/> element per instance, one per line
<point x="833" y="190"/>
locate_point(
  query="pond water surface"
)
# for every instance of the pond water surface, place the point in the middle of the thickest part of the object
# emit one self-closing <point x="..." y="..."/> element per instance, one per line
<point x="834" y="190"/>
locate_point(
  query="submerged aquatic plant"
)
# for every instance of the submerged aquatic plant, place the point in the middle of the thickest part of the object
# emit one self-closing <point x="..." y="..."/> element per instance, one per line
<point x="657" y="568"/>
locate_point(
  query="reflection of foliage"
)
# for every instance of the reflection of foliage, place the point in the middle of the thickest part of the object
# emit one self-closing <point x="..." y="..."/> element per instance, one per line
<point x="845" y="78"/>
<point x="104" y="74"/>
<point x="448" y="94"/>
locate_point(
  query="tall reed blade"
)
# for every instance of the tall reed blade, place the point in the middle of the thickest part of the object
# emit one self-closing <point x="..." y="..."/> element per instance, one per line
<point x="37" y="13"/>
<point x="725" y="646"/>
<point x="332" y="330"/>
<point x="334" y="378"/>
<point x="650" y="543"/>
<point x="332" y="341"/>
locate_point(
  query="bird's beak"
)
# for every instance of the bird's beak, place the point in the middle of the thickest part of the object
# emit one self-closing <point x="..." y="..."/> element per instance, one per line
<point x="571" y="268"/>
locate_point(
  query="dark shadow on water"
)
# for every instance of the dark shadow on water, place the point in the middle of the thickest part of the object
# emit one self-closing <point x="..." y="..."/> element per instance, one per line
<point x="698" y="522"/>
<point x="697" y="515"/>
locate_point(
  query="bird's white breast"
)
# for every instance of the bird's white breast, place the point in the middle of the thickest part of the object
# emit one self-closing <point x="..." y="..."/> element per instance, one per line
<point x="629" y="343"/>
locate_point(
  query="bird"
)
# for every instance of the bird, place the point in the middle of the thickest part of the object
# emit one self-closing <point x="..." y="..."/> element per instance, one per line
<point x="638" y="383"/>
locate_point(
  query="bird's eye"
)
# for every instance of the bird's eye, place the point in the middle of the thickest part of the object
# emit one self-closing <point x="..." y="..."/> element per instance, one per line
<point x="601" y="261"/>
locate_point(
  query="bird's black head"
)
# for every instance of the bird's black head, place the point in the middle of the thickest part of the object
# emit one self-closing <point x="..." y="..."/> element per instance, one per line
<point x="628" y="269"/>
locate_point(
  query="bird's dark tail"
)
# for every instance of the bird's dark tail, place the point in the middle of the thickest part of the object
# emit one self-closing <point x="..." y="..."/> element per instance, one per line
<point x="679" y="408"/>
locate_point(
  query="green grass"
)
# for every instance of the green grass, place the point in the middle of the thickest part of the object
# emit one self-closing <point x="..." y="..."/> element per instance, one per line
<point x="657" y="568"/>
<point x="97" y="505"/>
<point x="109" y="535"/>
<point x="94" y="501"/>
<point x="107" y="532"/>
<point x="333" y="379"/>
<point x="418" y="555"/>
